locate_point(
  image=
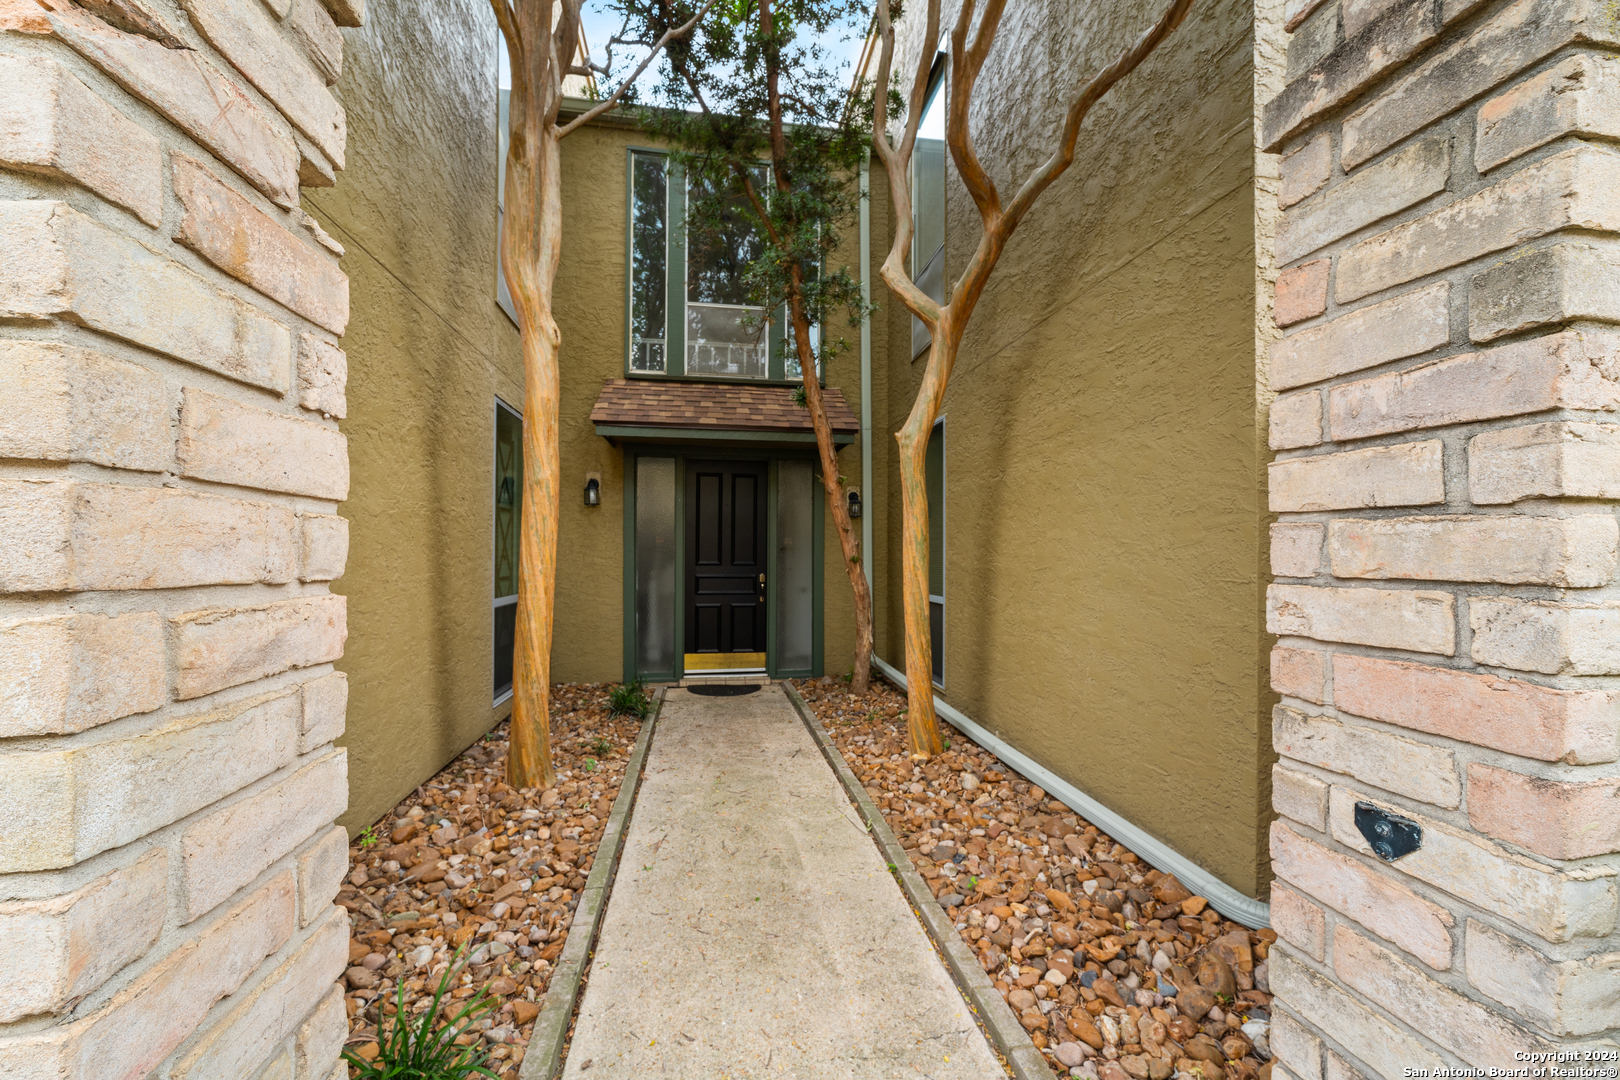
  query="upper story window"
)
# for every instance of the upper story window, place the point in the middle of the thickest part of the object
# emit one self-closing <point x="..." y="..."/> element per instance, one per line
<point x="928" y="204"/>
<point x="689" y="309"/>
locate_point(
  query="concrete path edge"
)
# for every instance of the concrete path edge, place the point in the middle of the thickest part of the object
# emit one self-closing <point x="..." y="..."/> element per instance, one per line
<point x="1006" y="1032"/>
<point x="543" y="1059"/>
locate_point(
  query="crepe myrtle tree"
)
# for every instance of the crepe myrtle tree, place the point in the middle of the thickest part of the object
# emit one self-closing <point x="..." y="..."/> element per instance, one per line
<point x="947" y="320"/>
<point x="543" y="41"/>
<point x="757" y="112"/>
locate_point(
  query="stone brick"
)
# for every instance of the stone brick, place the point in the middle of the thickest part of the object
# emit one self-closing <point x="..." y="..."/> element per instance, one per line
<point x="326" y="703"/>
<point x="1564" y="997"/>
<point x="1304" y="172"/>
<point x="1545" y="636"/>
<point x="1299" y="673"/>
<point x="1296" y="420"/>
<point x="1565" y="370"/>
<point x="144" y="1023"/>
<point x="1579" y="188"/>
<point x="282" y="1068"/>
<point x="1373" y="899"/>
<point x="255" y="249"/>
<point x="1578" y="96"/>
<point x="1558" y="459"/>
<point x="110" y="536"/>
<point x="1468" y="1029"/>
<point x="322" y="867"/>
<point x="1299" y="796"/>
<point x="57" y="125"/>
<point x="192" y="93"/>
<point x="1419" y="621"/>
<point x="1575" y="552"/>
<point x="228" y="848"/>
<point x="325" y="547"/>
<point x="245" y="35"/>
<point x="1300" y="923"/>
<point x="313" y="28"/>
<point x="271" y="1011"/>
<point x="1417" y="770"/>
<point x="1359" y="14"/>
<point x="1405" y="474"/>
<point x="59" y="950"/>
<point x="107" y="794"/>
<point x="1336" y="1068"/>
<point x="323" y="377"/>
<point x="1301" y="292"/>
<point x="321" y="1036"/>
<point x="220" y="647"/>
<point x="1574" y="726"/>
<point x="1512" y="39"/>
<point x="1345" y="71"/>
<point x="70" y="265"/>
<point x="1296" y="11"/>
<point x="1368" y="1035"/>
<point x="229" y="443"/>
<point x="1406" y="325"/>
<point x="1296" y="549"/>
<point x="63" y="403"/>
<point x="1401" y="180"/>
<point x="1546" y="287"/>
<point x="69" y="673"/>
<point x="1555" y="904"/>
<point x="1316" y="36"/>
<point x="346" y="12"/>
<point x="1294" y="1045"/>
<point x="1561" y="819"/>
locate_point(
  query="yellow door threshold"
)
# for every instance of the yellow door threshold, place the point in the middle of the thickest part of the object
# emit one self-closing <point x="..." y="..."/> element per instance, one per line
<point x="732" y="661"/>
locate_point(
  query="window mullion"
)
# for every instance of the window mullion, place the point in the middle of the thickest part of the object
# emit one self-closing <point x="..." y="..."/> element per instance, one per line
<point x="675" y="307"/>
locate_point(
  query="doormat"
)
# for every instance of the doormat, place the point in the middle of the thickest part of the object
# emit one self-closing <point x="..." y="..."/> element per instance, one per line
<point x="724" y="690"/>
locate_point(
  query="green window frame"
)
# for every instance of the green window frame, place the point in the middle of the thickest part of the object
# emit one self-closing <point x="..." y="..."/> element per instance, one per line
<point x="506" y="519"/>
<point x="656" y="294"/>
<point x="934" y="469"/>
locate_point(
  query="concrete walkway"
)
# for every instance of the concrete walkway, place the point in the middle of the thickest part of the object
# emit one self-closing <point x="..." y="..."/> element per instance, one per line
<point x="754" y="930"/>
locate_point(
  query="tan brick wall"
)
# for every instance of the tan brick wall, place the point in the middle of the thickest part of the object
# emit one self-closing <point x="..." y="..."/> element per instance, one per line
<point x="170" y="474"/>
<point x="1446" y="544"/>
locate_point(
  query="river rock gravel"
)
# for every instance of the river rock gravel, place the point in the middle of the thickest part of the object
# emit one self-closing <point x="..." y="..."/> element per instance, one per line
<point x="467" y="859"/>
<point x="1116" y="970"/>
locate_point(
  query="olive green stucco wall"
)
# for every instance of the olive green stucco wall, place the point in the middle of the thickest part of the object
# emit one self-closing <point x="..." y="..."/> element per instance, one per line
<point x="428" y="350"/>
<point x="1106" y="440"/>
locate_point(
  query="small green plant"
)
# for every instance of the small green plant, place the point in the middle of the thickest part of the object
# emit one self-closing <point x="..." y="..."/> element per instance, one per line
<point x="630" y="699"/>
<point x="800" y="398"/>
<point x="602" y="746"/>
<point x="590" y="764"/>
<point x="369" y="837"/>
<point x="426" y="1049"/>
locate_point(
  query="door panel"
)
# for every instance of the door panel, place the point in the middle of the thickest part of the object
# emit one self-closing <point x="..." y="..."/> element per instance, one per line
<point x="725" y="608"/>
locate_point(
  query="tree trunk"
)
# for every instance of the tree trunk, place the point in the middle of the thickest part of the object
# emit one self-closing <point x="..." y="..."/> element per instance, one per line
<point x="836" y="500"/>
<point x="921" y="722"/>
<point x="529" y="257"/>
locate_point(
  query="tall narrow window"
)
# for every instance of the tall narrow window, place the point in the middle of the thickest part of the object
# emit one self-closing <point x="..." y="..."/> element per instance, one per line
<point x="795" y="566"/>
<point x="928" y="205"/>
<point x="503" y="122"/>
<point x="649" y="266"/>
<point x="935" y="467"/>
<point x="508" y="513"/>
<point x="725" y="335"/>
<point x="655" y="567"/>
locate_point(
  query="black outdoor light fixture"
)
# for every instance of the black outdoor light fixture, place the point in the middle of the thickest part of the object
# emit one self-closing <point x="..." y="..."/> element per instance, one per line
<point x="854" y="503"/>
<point x="593" y="492"/>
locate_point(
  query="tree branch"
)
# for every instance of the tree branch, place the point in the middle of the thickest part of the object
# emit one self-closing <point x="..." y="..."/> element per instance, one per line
<point x="966" y="63"/>
<point x="896" y="162"/>
<point x="613" y="99"/>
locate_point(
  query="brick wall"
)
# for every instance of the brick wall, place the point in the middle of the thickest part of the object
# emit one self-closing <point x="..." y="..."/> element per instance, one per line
<point x="170" y="468"/>
<point x="1447" y="459"/>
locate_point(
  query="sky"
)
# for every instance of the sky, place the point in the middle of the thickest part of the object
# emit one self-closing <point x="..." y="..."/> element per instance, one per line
<point x="601" y="24"/>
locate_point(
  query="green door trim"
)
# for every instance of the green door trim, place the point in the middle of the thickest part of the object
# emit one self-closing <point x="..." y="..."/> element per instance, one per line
<point x="773" y="457"/>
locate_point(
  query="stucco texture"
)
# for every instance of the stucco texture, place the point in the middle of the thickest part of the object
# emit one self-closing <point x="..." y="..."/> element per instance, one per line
<point x="1105" y="518"/>
<point x="429" y="350"/>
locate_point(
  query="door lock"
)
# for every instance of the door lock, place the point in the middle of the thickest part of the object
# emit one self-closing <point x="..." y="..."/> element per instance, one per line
<point x="762" y="588"/>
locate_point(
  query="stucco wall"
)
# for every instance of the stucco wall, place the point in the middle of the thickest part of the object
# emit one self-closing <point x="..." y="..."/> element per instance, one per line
<point x="429" y="350"/>
<point x="1105" y="441"/>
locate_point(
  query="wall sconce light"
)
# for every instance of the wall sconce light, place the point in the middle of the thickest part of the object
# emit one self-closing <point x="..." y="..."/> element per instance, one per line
<point x="593" y="492"/>
<point x="854" y="504"/>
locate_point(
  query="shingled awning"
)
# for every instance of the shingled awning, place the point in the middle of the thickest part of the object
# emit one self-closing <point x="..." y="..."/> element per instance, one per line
<point x="654" y="410"/>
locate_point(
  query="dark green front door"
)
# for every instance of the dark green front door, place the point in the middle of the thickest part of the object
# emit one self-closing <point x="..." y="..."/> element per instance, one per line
<point x="726" y="560"/>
